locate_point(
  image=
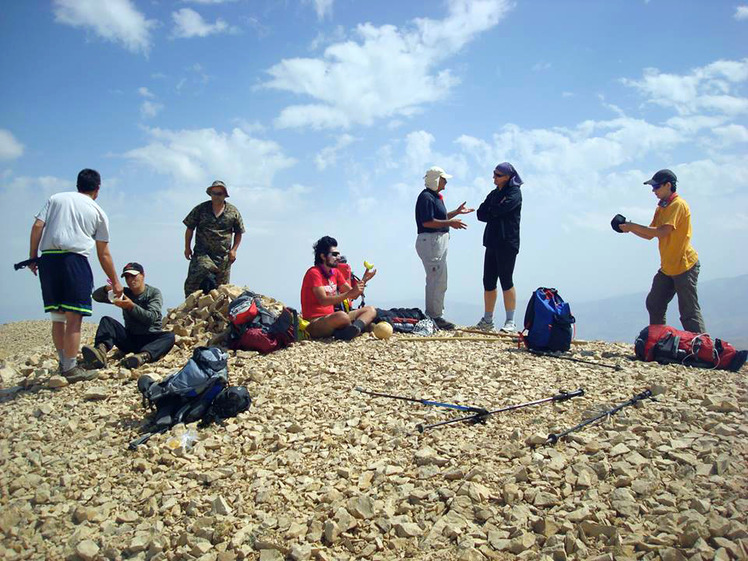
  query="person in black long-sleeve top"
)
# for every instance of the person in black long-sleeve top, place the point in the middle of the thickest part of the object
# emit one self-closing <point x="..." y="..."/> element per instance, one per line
<point x="501" y="212"/>
<point x="142" y="333"/>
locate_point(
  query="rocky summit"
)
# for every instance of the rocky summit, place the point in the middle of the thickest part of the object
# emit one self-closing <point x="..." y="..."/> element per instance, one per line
<point x="318" y="470"/>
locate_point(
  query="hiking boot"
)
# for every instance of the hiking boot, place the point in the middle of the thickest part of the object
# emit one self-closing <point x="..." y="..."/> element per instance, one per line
<point x="484" y="325"/>
<point x="442" y="323"/>
<point x="77" y="374"/>
<point x="136" y="361"/>
<point x="509" y="327"/>
<point x="95" y="357"/>
<point x="349" y="332"/>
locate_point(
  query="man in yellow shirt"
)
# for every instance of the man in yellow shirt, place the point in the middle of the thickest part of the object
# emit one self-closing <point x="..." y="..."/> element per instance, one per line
<point x="679" y="262"/>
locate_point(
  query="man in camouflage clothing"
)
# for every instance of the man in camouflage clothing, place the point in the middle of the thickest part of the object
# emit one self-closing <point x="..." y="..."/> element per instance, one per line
<point x="216" y="222"/>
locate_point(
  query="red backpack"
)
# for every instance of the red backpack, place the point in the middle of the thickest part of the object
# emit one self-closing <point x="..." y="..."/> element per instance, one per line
<point x="252" y="327"/>
<point x="666" y="345"/>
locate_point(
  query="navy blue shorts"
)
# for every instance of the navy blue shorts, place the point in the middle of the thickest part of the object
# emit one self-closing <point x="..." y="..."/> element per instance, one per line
<point x="67" y="282"/>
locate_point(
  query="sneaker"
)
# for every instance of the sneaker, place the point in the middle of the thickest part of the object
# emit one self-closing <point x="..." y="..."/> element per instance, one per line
<point x="484" y="325"/>
<point x="442" y="323"/>
<point x="95" y="357"/>
<point x="509" y="327"/>
<point x="136" y="361"/>
<point x="77" y="374"/>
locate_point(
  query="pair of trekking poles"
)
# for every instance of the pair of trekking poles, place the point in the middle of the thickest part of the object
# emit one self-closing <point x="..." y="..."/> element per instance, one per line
<point x="480" y="414"/>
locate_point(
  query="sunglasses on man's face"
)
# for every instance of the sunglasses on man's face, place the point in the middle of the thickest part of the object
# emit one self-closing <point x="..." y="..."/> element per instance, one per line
<point x="218" y="193"/>
<point x="334" y="253"/>
<point x="656" y="186"/>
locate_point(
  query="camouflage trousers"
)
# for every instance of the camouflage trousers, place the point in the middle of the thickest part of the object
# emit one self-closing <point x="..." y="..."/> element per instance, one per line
<point x="200" y="267"/>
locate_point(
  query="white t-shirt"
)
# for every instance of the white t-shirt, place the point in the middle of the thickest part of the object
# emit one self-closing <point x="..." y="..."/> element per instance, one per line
<point x="72" y="222"/>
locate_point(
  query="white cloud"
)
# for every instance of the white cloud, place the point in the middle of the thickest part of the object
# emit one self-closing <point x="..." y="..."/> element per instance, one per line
<point x="328" y="156"/>
<point x="46" y="185"/>
<point x="541" y="66"/>
<point x="250" y="127"/>
<point x="198" y="155"/>
<point x="117" y="21"/>
<point x="188" y="23"/>
<point x="418" y="152"/>
<point x="711" y="88"/>
<point x="694" y="123"/>
<point x="732" y="133"/>
<point x="590" y="147"/>
<point x="10" y="148"/>
<point x="388" y="72"/>
<point x="149" y="109"/>
<point x="741" y="13"/>
<point x="336" y="36"/>
<point x="723" y="174"/>
<point x="322" y="7"/>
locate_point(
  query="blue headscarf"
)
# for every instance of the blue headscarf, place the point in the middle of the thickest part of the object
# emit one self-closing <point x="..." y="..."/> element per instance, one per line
<point x="505" y="168"/>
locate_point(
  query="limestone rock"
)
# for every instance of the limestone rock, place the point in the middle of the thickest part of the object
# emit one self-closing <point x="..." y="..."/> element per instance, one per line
<point x="87" y="550"/>
<point x="56" y="382"/>
<point x="408" y="530"/>
<point x="361" y="507"/>
<point x="95" y="393"/>
<point x="220" y="506"/>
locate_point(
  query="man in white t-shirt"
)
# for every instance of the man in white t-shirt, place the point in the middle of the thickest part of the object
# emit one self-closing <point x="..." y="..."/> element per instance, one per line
<point x="65" y="231"/>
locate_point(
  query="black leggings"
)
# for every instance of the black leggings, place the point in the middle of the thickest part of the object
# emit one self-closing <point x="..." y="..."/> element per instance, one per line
<point x="498" y="264"/>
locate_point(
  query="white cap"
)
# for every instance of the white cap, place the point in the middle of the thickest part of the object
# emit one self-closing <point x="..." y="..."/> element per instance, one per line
<point x="431" y="179"/>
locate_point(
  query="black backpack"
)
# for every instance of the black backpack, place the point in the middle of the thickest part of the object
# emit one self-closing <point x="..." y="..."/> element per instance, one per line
<point x="189" y="394"/>
<point x="229" y="403"/>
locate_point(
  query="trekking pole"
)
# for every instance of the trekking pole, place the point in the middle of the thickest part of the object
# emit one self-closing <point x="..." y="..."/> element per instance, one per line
<point x="477" y="410"/>
<point x="573" y="359"/>
<point x="144" y="438"/>
<point x="26" y="263"/>
<point x="480" y="417"/>
<point x="646" y="394"/>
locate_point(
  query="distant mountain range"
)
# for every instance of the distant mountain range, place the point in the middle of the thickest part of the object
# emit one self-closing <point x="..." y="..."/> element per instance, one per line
<point x="724" y="304"/>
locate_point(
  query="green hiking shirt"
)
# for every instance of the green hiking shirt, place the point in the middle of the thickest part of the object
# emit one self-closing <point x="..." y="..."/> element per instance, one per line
<point x="145" y="317"/>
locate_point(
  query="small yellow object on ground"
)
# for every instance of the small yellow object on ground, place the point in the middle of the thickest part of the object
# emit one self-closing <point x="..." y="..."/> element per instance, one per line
<point x="383" y="330"/>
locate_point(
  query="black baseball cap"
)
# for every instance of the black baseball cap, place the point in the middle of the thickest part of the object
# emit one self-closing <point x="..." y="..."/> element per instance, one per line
<point x="662" y="176"/>
<point x="132" y="269"/>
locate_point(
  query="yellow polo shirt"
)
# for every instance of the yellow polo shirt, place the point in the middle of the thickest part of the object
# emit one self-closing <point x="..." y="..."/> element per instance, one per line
<point x="676" y="253"/>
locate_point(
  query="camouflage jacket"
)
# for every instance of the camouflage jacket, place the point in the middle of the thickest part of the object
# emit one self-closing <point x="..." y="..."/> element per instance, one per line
<point x="213" y="234"/>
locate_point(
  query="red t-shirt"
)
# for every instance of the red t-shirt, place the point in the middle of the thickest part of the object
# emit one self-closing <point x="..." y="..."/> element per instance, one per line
<point x="310" y="306"/>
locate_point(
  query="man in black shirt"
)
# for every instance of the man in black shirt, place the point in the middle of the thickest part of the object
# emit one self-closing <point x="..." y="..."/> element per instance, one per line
<point x="433" y="222"/>
<point x="141" y="334"/>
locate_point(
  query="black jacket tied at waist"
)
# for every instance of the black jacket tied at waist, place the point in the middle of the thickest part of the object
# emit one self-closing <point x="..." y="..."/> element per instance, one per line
<point x="501" y="211"/>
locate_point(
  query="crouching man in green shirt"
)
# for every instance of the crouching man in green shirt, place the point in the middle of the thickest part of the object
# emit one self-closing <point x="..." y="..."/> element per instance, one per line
<point x="141" y="334"/>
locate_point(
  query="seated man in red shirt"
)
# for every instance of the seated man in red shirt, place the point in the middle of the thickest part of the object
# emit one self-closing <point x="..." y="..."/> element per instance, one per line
<point x="323" y="288"/>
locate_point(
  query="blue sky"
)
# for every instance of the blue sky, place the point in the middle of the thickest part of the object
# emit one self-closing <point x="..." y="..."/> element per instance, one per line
<point x="322" y="117"/>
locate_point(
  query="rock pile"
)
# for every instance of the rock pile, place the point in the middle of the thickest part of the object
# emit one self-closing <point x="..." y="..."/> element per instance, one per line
<point x="318" y="471"/>
<point x="203" y="318"/>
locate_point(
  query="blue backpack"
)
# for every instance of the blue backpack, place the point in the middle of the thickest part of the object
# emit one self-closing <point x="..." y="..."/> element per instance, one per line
<point x="197" y="392"/>
<point x="548" y="322"/>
